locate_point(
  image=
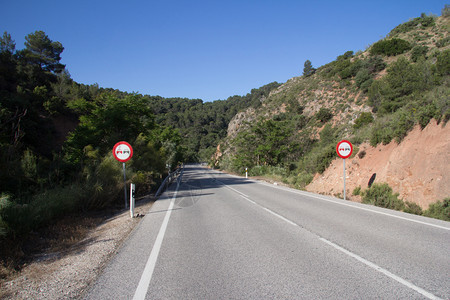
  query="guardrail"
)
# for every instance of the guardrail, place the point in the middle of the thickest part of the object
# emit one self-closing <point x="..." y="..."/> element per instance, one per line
<point x="167" y="181"/>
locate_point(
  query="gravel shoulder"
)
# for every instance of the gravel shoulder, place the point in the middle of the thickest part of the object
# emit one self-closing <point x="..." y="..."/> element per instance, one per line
<point x="68" y="274"/>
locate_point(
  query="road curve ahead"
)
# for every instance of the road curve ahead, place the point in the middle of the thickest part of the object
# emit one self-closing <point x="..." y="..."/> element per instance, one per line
<point x="217" y="236"/>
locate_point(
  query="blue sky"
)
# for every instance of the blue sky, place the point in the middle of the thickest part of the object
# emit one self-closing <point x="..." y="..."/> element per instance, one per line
<point x="208" y="50"/>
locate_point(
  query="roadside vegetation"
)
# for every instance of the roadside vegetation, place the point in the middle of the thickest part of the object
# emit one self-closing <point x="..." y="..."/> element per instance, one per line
<point x="382" y="195"/>
<point x="56" y="138"/>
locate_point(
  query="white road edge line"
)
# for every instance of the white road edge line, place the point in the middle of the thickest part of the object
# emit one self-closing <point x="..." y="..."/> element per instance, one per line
<point x="357" y="207"/>
<point x="381" y="270"/>
<point x="146" y="277"/>
<point x="351" y="254"/>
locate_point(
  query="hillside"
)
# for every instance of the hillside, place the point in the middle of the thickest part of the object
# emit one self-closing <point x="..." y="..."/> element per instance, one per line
<point x="387" y="100"/>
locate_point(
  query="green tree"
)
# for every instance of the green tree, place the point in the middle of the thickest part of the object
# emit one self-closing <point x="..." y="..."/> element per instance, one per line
<point x="7" y="43"/>
<point x="106" y="121"/>
<point x="8" y="64"/>
<point x="42" y="51"/>
<point x="308" y="69"/>
<point x="445" y="12"/>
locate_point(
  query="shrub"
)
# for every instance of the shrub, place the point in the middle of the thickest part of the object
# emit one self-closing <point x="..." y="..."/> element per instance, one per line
<point x="390" y="47"/>
<point x="362" y="154"/>
<point x="381" y="133"/>
<point x="443" y="63"/>
<point x="412" y="208"/>
<point x="402" y="124"/>
<point x="5" y="203"/>
<point x="439" y="210"/>
<point x="445" y="12"/>
<point x="324" y="158"/>
<point x="55" y="203"/>
<point x="425" y="113"/>
<point x="104" y="183"/>
<point x="324" y="115"/>
<point x="443" y="42"/>
<point x="19" y="219"/>
<point x="380" y="194"/>
<point x="352" y="68"/>
<point x="418" y="52"/>
<point x="375" y="64"/>
<point x="361" y="78"/>
<point x="357" y="191"/>
<point x="302" y="180"/>
<point x="364" y="119"/>
<point x="423" y="20"/>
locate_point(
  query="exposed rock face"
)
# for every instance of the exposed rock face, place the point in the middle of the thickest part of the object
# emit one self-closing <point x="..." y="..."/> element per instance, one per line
<point x="418" y="168"/>
<point x="217" y="155"/>
<point x="240" y="120"/>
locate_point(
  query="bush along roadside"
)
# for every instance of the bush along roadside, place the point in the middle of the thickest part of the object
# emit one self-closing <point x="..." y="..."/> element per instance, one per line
<point x="381" y="194"/>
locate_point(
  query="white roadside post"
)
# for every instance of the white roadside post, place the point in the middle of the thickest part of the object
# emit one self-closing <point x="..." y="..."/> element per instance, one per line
<point x="246" y="173"/>
<point x="132" y="186"/>
<point x="344" y="149"/>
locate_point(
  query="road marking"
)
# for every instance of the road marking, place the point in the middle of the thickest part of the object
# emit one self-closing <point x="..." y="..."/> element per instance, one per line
<point x="146" y="276"/>
<point x="240" y="193"/>
<point x="357" y="207"/>
<point x="381" y="270"/>
<point x="279" y="216"/>
<point x="351" y="254"/>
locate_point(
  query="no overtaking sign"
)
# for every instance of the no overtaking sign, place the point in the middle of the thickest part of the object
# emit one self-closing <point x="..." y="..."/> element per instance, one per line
<point x="122" y="151"/>
<point x="344" y="149"/>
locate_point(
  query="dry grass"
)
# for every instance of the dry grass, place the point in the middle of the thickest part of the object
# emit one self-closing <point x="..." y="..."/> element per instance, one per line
<point x="56" y="238"/>
<point x="42" y="253"/>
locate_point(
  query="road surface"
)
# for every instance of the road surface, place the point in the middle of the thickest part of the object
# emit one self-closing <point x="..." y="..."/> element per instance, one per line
<point x="218" y="236"/>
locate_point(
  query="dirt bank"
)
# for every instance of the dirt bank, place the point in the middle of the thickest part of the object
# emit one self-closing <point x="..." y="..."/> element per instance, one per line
<point x="418" y="168"/>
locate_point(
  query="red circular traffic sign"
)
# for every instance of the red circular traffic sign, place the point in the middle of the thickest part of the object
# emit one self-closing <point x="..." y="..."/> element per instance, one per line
<point x="344" y="149"/>
<point x="122" y="151"/>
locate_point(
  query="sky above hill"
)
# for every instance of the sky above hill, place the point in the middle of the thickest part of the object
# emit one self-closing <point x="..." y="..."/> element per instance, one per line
<point x="204" y="49"/>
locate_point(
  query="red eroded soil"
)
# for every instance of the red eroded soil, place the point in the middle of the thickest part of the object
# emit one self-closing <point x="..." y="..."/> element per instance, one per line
<point x="418" y="168"/>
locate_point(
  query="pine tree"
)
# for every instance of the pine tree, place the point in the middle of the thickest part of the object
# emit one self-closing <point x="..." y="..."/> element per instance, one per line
<point x="308" y="69"/>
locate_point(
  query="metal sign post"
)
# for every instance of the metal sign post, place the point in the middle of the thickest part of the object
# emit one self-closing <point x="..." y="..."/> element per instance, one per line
<point x="123" y="152"/>
<point x="344" y="149"/>
<point x="125" y="184"/>
<point x="344" y="181"/>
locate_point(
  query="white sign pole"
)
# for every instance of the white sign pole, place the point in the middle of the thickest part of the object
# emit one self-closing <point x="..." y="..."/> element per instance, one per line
<point x="125" y="185"/>
<point x="132" y="200"/>
<point x="344" y="179"/>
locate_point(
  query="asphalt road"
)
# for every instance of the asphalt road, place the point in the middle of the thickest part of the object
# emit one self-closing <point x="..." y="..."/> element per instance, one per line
<point x="217" y="236"/>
